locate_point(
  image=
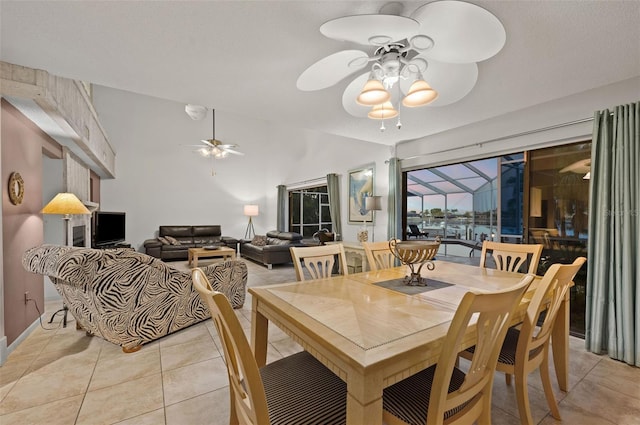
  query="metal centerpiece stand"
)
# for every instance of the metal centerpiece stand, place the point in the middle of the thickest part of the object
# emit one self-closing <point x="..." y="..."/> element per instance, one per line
<point x="415" y="253"/>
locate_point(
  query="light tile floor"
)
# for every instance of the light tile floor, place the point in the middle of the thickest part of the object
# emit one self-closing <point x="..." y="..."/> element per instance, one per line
<point x="62" y="376"/>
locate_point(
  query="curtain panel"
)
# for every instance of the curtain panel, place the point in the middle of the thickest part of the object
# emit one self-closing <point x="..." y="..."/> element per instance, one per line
<point x="394" y="203"/>
<point x="333" y="187"/>
<point x="282" y="208"/>
<point x="613" y="277"/>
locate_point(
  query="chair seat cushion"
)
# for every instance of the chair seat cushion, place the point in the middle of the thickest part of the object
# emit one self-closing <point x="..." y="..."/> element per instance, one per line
<point x="301" y="390"/>
<point x="508" y="351"/>
<point x="401" y="398"/>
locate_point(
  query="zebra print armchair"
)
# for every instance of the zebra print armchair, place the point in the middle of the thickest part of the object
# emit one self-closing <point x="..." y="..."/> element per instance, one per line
<point x="130" y="298"/>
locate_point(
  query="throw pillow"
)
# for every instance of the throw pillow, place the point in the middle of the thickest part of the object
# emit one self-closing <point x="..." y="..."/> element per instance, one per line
<point x="259" y="240"/>
<point x="164" y="240"/>
<point x="172" y="240"/>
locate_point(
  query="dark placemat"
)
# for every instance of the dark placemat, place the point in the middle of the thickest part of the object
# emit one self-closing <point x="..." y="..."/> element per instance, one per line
<point x="400" y="286"/>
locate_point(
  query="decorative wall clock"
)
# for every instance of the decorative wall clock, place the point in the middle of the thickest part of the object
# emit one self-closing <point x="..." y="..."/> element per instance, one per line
<point x="16" y="188"/>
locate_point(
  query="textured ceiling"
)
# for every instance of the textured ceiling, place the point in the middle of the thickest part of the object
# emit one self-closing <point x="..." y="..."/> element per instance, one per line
<point x="244" y="57"/>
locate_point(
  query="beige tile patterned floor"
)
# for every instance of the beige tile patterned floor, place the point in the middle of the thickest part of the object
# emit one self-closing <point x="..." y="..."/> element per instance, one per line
<point x="63" y="376"/>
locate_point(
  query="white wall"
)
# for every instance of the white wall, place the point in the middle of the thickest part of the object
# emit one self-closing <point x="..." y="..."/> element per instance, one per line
<point x="161" y="181"/>
<point x="52" y="184"/>
<point x="542" y="125"/>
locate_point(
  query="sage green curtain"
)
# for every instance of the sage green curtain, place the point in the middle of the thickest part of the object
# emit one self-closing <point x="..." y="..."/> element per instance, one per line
<point x="613" y="276"/>
<point x="282" y="208"/>
<point x="394" y="226"/>
<point x="333" y="187"/>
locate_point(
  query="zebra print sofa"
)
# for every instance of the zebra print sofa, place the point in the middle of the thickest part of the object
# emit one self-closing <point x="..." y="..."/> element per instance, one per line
<point x="130" y="298"/>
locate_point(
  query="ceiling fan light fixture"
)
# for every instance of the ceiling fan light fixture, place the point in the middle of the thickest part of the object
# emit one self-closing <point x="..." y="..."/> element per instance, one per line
<point x="383" y="111"/>
<point x="373" y="93"/>
<point x="420" y="94"/>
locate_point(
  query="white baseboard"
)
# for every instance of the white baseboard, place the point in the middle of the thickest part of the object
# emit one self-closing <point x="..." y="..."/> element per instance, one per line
<point x="5" y="351"/>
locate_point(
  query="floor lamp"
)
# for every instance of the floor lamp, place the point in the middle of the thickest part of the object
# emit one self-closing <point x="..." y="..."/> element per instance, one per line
<point x="373" y="204"/>
<point x="66" y="204"/>
<point x="250" y="211"/>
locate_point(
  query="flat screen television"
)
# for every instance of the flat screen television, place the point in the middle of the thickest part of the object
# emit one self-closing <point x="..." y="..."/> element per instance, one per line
<point x="109" y="228"/>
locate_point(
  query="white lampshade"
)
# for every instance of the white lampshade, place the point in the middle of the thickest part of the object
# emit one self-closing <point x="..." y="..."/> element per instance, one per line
<point x="535" y="202"/>
<point x="196" y="112"/>
<point x="383" y="111"/>
<point x="373" y="203"/>
<point x="251" y="210"/>
<point x="420" y="94"/>
<point x="373" y="93"/>
<point x="65" y="203"/>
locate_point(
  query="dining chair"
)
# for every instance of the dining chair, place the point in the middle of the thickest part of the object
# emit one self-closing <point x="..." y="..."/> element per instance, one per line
<point x="445" y="394"/>
<point x="296" y="389"/>
<point x="510" y="257"/>
<point x="379" y="255"/>
<point x="318" y="260"/>
<point x="527" y="348"/>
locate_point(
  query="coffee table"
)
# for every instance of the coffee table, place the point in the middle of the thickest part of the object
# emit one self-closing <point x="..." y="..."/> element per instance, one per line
<point x="223" y="251"/>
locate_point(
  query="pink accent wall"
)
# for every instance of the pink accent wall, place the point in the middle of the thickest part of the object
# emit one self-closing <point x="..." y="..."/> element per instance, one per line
<point x="22" y="224"/>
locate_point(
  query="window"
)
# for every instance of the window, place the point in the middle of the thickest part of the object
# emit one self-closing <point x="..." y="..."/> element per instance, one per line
<point x="309" y="211"/>
<point x="511" y="197"/>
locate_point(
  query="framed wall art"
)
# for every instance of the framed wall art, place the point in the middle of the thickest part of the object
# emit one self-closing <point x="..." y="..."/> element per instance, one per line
<point x="360" y="186"/>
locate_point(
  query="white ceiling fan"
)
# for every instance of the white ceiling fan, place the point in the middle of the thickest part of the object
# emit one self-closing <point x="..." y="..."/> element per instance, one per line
<point x="427" y="58"/>
<point x="214" y="148"/>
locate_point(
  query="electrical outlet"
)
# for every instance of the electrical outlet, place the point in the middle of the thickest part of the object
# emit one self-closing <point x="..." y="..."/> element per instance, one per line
<point x="26" y="297"/>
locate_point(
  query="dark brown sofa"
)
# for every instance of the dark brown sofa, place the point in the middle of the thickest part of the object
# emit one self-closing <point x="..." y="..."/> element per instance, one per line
<point x="188" y="237"/>
<point x="276" y="251"/>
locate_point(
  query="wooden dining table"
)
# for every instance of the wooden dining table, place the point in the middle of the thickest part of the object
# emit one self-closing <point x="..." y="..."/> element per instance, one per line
<point x="372" y="337"/>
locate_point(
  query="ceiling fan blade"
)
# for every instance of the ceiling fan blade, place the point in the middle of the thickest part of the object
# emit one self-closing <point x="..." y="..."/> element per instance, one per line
<point x="332" y="69"/>
<point x="452" y="81"/>
<point x="462" y="32"/>
<point x="376" y="30"/>
<point x="351" y="93"/>
<point x="209" y="142"/>
<point x="234" y="152"/>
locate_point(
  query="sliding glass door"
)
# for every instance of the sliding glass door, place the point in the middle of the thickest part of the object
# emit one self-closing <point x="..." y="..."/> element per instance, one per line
<point x="539" y="196"/>
<point x="558" y="214"/>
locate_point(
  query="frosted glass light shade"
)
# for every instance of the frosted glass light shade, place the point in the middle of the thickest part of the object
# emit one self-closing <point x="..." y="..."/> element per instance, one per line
<point x="251" y="210"/>
<point x="373" y="203"/>
<point x="420" y="94"/>
<point x="383" y="111"/>
<point x="373" y="93"/>
<point x="65" y="203"/>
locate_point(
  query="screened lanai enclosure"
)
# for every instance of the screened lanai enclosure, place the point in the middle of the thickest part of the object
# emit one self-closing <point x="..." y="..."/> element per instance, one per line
<point x="459" y="203"/>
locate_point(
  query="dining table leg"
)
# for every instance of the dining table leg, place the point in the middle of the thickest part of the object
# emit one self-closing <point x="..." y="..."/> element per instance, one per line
<point x="364" y="400"/>
<point x="259" y="334"/>
<point x="560" y="344"/>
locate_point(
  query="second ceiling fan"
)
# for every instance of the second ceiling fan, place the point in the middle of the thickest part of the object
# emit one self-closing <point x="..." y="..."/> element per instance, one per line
<point x="214" y="148"/>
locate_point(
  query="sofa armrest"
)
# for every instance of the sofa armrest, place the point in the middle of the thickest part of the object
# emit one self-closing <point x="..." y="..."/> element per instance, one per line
<point x="153" y="247"/>
<point x="229" y="241"/>
<point x="235" y="288"/>
<point x="149" y="243"/>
